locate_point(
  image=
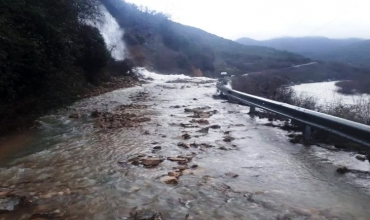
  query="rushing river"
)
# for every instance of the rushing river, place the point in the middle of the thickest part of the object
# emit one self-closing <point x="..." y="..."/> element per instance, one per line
<point x="71" y="166"/>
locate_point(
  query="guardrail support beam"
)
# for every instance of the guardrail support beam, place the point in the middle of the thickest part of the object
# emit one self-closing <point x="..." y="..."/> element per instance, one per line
<point x="252" y="109"/>
<point x="307" y="132"/>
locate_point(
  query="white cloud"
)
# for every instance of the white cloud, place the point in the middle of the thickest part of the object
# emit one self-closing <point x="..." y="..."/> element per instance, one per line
<point x="263" y="19"/>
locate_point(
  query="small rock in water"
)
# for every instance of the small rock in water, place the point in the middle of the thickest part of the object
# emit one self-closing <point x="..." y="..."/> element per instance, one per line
<point x="181" y="167"/>
<point x="176" y="159"/>
<point x="204" y="130"/>
<point x="170" y="180"/>
<point x="75" y="115"/>
<point x="95" y="114"/>
<point x="146" y="215"/>
<point x="342" y="170"/>
<point x="195" y="99"/>
<point x="174" y="174"/>
<point x="194" y="166"/>
<point x="157" y="148"/>
<point x="228" y="139"/>
<point x="231" y="174"/>
<point x="181" y="144"/>
<point x="10" y="203"/>
<point x="186" y="136"/>
<point x="151" y="162"/>
<point x="215" y="126"/>
<point x="361" y="157"/>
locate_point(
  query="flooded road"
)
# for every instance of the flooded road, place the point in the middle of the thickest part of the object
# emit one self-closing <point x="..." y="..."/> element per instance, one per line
<point x="239" y="168"/>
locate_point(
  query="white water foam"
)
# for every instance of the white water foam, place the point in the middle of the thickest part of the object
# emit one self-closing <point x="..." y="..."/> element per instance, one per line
<point x="112" y="34"/>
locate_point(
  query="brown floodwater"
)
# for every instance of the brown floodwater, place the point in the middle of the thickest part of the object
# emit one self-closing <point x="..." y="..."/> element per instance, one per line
<point x="71" y="166"/>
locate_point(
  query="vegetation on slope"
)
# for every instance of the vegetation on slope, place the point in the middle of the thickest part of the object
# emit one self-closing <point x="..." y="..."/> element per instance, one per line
<point x="169" y="47"/>
<point x="352" y="51"/>
<point x="48" y="55"/>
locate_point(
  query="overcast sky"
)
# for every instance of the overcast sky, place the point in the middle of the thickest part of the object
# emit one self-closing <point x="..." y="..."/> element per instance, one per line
<point x="265" y="19"/>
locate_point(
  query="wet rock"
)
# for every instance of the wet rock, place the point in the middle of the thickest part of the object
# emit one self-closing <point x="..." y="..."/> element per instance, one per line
<point x="228" y="139"/>
<point x="227" y="132"/>
<point x="187" y="157"/>
<point x="146" y="132"/>
<point x="11" y="203"/>
<point x="343" y="170"/>
<point x="361" y="157"/>
<point x="186" y="136"/>
<point x="56" y="214"/>
<point x="151" y="161"/>
<point x="204" y="130"/>
<point x="134" y="189"/>
<point x="231" y="174"/>
<point x="184" y="145"/>
<point x="194" y="166"/>
<point x="183" y="162"/>
<point x="176" y="106"/>
<point x="146" y="215"/>
<point x="200" y="121"/>
<point x="95" y="114"/>
<point x="195" y="99"/>
<point x="177" y="159"/>
<point x="75" y="115"/>
<point x="157" y="148"/>
<point x="170" y="180"/>
<point x="174" y="174"/>
<point x="181" y="167"/>
<point x="215" y="126"/>
<point x="223" y="148"/>
<point x="188" y="125"/>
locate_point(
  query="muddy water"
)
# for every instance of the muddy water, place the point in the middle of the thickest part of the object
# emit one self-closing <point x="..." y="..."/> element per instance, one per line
<point x="70" y="165"/>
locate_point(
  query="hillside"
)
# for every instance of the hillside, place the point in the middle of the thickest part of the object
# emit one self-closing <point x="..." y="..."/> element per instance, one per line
<point x="355" y="54"/>
<point x="352" y="50"/>
<point x="169" y="47"/>
<point x="48" y="57"/>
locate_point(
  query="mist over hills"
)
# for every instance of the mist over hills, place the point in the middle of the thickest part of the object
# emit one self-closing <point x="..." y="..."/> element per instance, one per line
<point x="354" y="51"/>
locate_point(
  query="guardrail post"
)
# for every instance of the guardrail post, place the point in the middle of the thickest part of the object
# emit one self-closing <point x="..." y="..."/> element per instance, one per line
<point x="252" y="109"/>
<point x="307" y="132"/>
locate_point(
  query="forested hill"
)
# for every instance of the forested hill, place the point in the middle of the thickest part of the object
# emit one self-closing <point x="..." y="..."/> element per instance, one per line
<point x="169" y="47"/>
<point x="353" y="51"/>
<point x="48" y="56"/>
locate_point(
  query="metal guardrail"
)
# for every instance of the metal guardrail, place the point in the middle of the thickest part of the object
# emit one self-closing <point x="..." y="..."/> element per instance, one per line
<point x="354" y="131"/>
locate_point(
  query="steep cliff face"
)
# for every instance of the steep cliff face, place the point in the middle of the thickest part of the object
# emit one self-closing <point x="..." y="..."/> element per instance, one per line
<point x="165" y="46"/>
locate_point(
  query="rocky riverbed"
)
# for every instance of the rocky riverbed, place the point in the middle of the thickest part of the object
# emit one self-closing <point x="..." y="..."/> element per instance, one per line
<point x="169" y="150"/>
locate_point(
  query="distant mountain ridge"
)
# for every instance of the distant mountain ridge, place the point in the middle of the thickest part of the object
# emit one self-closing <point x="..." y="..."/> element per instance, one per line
<point x="351" y="50"/>
<point x="156" y="42"/>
